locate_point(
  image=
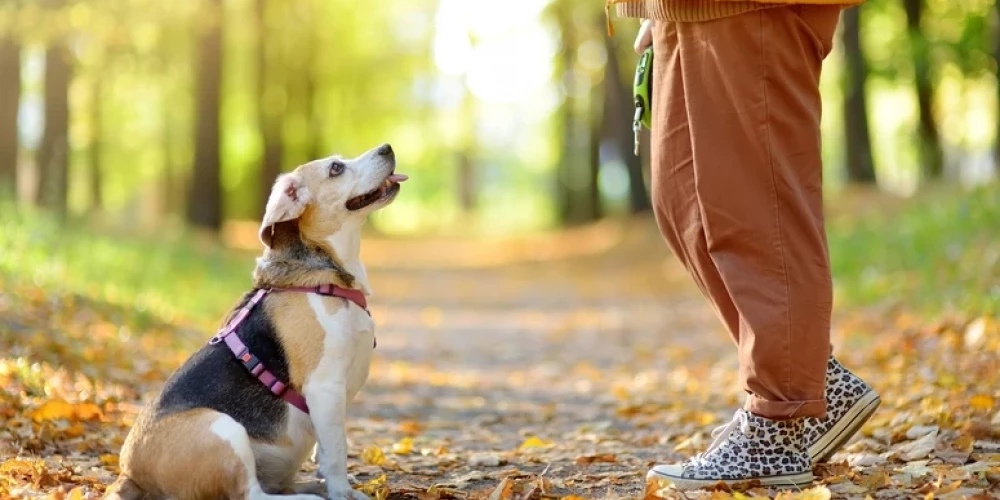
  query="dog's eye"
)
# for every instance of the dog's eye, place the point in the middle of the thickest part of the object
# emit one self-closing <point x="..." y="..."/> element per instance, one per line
<point x="336" y="168"/>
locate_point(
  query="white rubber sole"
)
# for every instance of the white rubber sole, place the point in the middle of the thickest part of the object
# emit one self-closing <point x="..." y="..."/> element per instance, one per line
<point x="848" y="426"/>
<point x="797" y="481"/>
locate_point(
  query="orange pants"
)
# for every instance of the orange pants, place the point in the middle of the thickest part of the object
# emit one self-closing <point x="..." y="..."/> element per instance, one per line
<point x="737" y="189"/>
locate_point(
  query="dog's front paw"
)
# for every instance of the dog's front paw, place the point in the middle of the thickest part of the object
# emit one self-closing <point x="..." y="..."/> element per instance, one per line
<point x="345" y="492"/>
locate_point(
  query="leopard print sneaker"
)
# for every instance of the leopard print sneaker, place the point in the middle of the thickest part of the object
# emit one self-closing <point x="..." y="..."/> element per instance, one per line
<point x="850" y="402"/>
<point x="749" y="449"/>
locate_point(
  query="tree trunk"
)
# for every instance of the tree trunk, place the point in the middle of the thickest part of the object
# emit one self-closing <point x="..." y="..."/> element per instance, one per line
<point x="270" y="110"/>
<point x="996" y="66"/>
<point x="53" y="154"/>
<point x="204" y="204"/>
<point x="10" y="100"/>
<point x="931" y="152"/>
<point x="466" y="164"/>
<point x="172" y="187"/>
<point x="94" y="152"/>
<point x="618" y="110"/>
<point x="592" y="209"/>
<point x="860" y="163"/>
<point x="565" y="192"/>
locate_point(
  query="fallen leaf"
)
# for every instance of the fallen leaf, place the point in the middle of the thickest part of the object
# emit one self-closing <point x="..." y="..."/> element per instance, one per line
<point x="847" y="488"/>
<point x="589" y="459"/>
<point x="915" y="450"/>
<point x="375" y="488"/>
<point x="109" y="459"/>
<point x="919" y="431"/>
<point x="981" y="402"/>
<point x="411" y="427"/>
<point x="373" y="455"/>
<point x="59" y="409"/>
<point x="535" y="442"/>
<point x="403" y="447"/>
<point x="503" y="491"/>
<point x="875" y="480"/>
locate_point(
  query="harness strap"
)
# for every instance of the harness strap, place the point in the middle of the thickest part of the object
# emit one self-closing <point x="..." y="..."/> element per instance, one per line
<point x="252" y="363"/>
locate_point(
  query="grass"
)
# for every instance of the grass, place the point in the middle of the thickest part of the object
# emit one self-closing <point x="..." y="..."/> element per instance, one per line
<point x="173" y="278"/>
<point x="934" y="254"/>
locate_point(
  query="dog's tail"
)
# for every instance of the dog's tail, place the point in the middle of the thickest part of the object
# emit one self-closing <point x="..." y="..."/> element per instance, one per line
<point x="124" y="489"/>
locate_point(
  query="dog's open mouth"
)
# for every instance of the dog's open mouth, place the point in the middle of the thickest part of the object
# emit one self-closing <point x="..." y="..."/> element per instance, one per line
<point x="386" y="190"/>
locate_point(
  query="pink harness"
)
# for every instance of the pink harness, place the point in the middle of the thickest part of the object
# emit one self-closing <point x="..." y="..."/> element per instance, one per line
<point x="252" y="363"/>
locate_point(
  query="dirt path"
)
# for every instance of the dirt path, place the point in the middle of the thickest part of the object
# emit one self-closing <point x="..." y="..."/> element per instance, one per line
<point x="613" y="359"/>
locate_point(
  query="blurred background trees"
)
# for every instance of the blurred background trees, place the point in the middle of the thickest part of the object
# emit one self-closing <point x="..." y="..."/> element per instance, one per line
<point x="510" y="116"/>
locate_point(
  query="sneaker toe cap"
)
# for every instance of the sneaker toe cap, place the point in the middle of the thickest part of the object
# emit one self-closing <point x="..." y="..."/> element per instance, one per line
<point x="671" y="471"/>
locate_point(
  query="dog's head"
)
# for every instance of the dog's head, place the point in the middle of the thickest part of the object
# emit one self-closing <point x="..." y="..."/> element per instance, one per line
<point x="325" y="195"/>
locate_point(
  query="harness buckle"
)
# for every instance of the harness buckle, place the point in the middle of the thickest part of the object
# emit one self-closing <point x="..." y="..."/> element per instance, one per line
<point x="249" y="361"/>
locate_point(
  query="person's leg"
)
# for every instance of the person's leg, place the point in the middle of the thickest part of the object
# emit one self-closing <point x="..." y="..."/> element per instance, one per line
<point x="754" y="109"/>
<point x="672" y="176"/>
<point x="738" y="165"/>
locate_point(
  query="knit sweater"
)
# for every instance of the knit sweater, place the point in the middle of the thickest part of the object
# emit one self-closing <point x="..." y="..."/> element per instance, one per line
<point x="702" y="10"/>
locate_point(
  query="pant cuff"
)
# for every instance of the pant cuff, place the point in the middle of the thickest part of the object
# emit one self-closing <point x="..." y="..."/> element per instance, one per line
<point x="784" y="410"/>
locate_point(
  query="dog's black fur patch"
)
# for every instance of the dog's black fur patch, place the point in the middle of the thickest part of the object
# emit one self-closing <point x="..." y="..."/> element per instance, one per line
<point x="214" y="378"/>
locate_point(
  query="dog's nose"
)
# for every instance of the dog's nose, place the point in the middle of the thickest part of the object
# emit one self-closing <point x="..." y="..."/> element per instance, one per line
<point x="384" y="150"/>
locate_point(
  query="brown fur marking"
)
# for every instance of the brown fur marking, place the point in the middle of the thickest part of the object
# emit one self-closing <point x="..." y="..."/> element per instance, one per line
<point x="300" y="332"/>
<point x="180" y="457"/>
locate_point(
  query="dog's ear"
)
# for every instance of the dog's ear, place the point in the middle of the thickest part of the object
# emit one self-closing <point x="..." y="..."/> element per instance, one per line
<point x="288" y="200"/>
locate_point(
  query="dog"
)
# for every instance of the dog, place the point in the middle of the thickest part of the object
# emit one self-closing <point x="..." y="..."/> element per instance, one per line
<point x="241" y="415"/>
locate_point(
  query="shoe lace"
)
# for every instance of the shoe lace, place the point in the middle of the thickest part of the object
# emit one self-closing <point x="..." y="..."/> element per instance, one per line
<point x="722" y="433"/>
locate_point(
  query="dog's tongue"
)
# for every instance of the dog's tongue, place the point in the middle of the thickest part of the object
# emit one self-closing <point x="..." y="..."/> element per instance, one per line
<point x="398" y="177"/>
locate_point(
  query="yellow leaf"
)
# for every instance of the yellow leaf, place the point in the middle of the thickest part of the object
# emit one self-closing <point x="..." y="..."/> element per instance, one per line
<point x="376" y="488"/>
<point x="620" y="392"/>
<point x="74" y="431"/>
<point x="411" y="427"/>
<point x="59" y="409"/>
<point x="947" y="489"/>
<point x="572" y="497"/>
<point x="52" y="410"/>
<point x="109" y="459"/>
<point x="88" y="411"/>
<point x="403" y="447"/>
<point x="535" y="442"/>
<point x="76" y="494"/>
<point x="373" y="455"/>
<point x="22" y="467"/>
<point x="981" y="402"/>
<point x="964" y="443"/>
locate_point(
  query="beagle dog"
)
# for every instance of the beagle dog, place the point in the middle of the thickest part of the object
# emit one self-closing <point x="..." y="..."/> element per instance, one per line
<point x="240" y="416"/>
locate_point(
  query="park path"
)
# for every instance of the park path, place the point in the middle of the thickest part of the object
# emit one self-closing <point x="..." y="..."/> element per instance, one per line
<point x="586" y="368"/>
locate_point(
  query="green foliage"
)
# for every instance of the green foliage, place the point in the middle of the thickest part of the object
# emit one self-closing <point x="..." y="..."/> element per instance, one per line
<point x="936" y="254"/>
<point x="172" y="278"/>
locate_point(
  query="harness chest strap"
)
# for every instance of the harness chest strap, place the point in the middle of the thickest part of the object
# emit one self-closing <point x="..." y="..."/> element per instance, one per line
<point x="252" y="363"/>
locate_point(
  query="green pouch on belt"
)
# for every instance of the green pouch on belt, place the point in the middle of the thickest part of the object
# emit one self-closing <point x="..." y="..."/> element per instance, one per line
<point x="642" y="89"/>
<point x="642" y="96"/>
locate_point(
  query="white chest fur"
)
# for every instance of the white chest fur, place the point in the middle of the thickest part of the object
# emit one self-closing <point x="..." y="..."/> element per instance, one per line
<point x="348" y="342"/>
